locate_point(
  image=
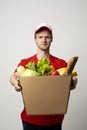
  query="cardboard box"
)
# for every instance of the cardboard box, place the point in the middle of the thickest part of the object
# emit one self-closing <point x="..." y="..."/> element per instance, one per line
<point x="46" y="95"/>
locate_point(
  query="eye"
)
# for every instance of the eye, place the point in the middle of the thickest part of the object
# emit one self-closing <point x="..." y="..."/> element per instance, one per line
<point x="47" y="37"/>
<point x="40" y="37"/>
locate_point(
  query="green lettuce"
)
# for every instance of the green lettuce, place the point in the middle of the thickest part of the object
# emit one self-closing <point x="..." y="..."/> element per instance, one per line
<point x="42" y="67"/>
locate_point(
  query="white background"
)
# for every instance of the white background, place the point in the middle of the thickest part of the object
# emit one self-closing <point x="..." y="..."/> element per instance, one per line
<point x="18" y="19"/>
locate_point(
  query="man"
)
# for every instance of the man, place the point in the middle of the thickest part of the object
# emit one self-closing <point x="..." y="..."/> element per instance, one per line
<point x="43" y="38"/>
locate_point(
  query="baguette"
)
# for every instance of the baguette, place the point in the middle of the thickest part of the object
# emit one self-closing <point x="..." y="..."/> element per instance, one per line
<point x="71" y="64"/>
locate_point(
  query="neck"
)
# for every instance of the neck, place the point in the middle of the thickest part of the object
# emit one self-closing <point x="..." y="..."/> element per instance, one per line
<point x="42" y="54"/>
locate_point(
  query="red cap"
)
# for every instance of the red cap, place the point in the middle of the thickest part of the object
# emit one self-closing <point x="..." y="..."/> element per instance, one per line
<point x="43" y="26"/>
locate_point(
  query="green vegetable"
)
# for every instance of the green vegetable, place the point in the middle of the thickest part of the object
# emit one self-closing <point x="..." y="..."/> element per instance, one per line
<point x="42" y="67"/>
<point x="32" y="66"/>
<point x="29" y="72"/>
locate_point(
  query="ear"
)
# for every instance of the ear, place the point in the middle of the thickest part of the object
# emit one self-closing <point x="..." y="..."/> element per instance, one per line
<point x="51" y="39"/>
<point x="35" y="39"/>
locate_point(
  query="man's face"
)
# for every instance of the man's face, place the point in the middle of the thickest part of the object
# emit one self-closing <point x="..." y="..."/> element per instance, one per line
<point x="43" y="40"/>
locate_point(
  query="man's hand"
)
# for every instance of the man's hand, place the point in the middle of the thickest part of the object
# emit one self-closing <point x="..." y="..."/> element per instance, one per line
<point x="73" y="83"/>
<point x="14" y="80"/>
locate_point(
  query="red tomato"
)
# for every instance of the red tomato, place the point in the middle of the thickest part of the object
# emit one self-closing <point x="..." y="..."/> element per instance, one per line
<point x="55" y="72"/>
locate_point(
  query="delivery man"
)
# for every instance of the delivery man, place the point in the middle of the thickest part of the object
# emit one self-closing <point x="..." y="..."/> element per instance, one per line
<point x="43" y="38"/>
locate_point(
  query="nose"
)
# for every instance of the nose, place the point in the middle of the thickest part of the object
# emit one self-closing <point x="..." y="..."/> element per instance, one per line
<point x="44" y="39"/>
